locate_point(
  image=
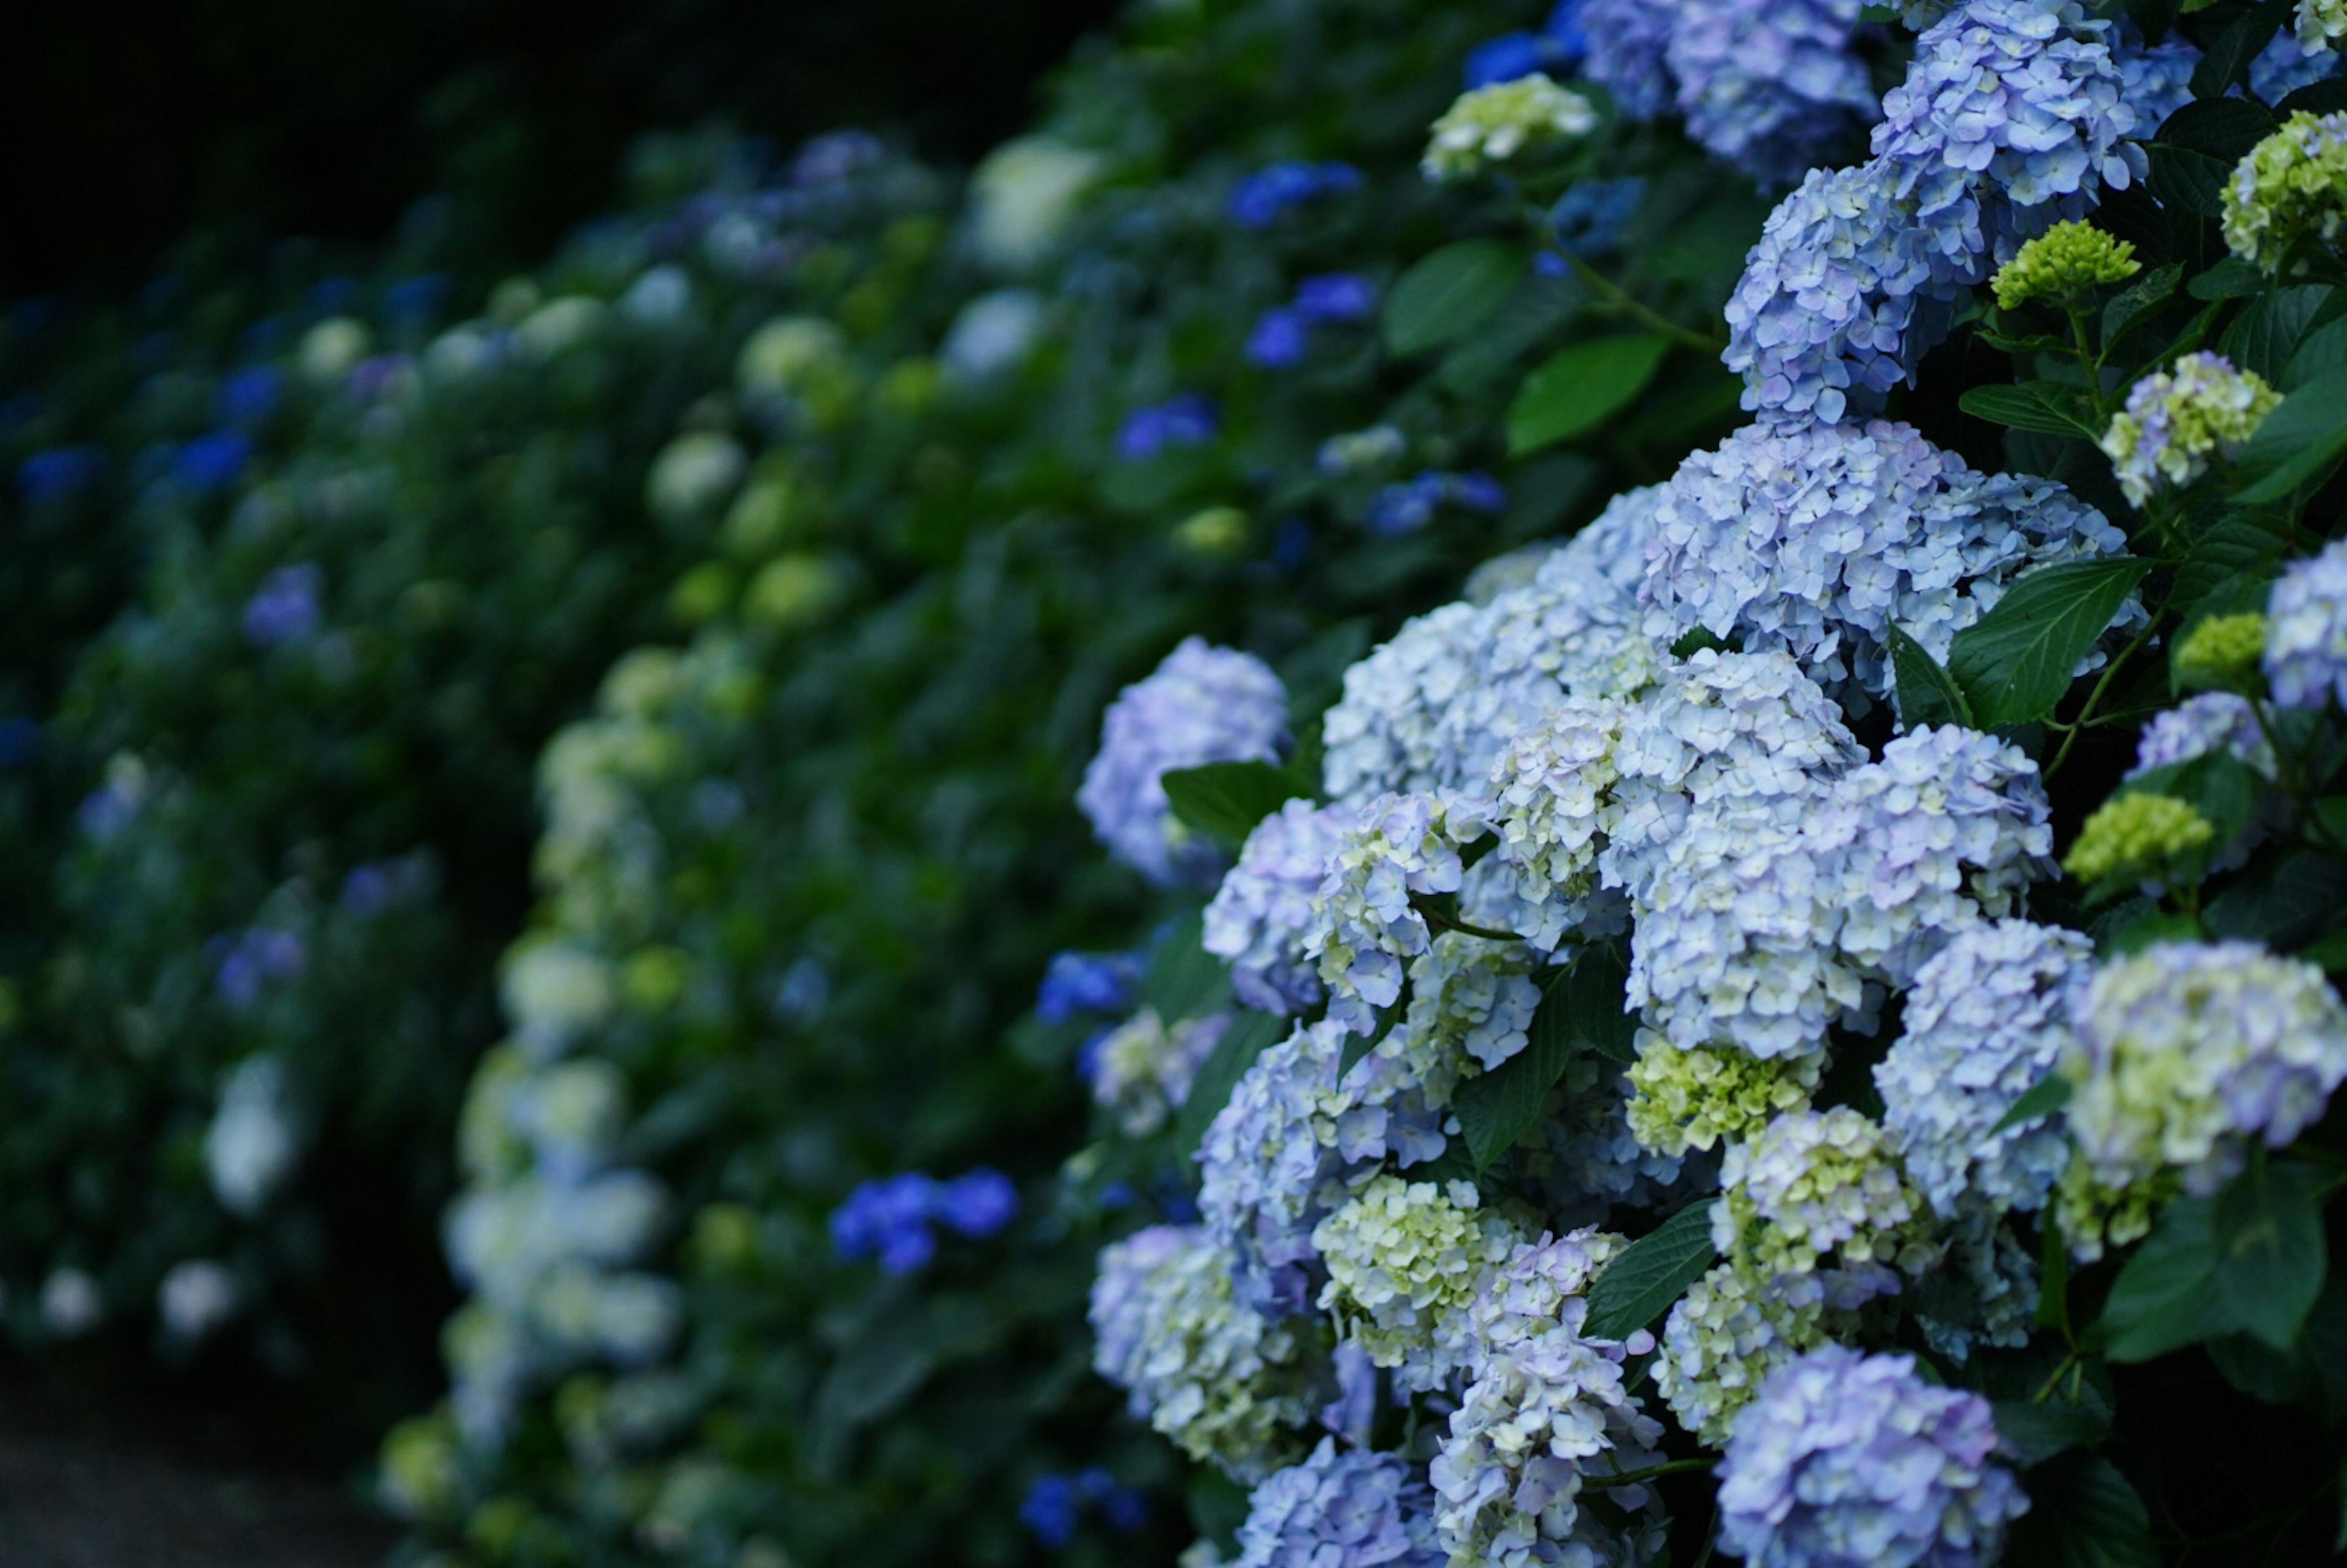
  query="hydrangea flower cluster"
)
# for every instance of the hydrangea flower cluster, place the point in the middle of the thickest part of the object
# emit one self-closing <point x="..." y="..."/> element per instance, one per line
<point x="1819" y="540"/>
<point x="1142" y="1070"/>
<point x="1187" y="420"/>
<point x="2306" y="632"/>
<point x="1405" y="1260"/>
<point x="1365" y="921"/>
<point x="1987" y="1019"/>
<point x="1847" y="1458"/>
<point x="2176" y="421"/>
<point x="1341" y="1509"/>
<point x="1492" y="125"/>
<point x="2319" y="24"/>
<point x="2184" y="1052"/>
<point x="1202" y="705"/>
<point x="893" y="1218"/>
<point x="1262" y="913"/>
<point x="2292" y="187"/>
<point x="1698" y="1098"/>
<point x="2068" y="260"/>
<point x="1819" y="1184"/>
<point x="1054" y="1505"/>
<point x="2140" y="836"/>
<point x="1407" y="506"/>
<point x="1218" y="1378"/>
<point x="1771" y="89"/>
<point x="1734" y="1326"/>
<point x="1282" y="334"/>
<point x="1587" y="220"/>
<point x="1087" y="982"/>
<point x="1552" y="51"/>
<point x="1258" y="201"/>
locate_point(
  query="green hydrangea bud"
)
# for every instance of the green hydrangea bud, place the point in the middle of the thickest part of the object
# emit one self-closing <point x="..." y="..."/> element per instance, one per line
<point x="2068" y="259"/>
<point x="2221" y="652"/>
<point x="1683" y="1100"/>
<point x="2138" y="836"/>
<point x="1216" y="531"/>
<point x="2292" y="185"/>
<point x="1492" y="125"/>
<point x="1402" y="1257"/>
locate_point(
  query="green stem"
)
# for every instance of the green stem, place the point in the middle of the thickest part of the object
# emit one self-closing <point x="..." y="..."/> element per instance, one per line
<point x="2095" y="697"/>
<point x="1621" y="299"/>
<point x="1636" y="1477"/>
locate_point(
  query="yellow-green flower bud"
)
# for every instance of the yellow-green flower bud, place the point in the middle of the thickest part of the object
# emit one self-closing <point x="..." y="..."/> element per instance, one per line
<point x="2223" y="651"/>
<point x="1216" y="531"/>
<point x="1693" y="1099"/>
<point x="1492" y="125"/>
<point x="2068" y="259"/>
<point x="2138" y="836"/>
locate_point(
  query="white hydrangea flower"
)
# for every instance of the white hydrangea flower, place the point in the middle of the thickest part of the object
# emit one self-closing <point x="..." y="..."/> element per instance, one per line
<point x="253" y="1141"/>
<point x="1820" y="1184"/>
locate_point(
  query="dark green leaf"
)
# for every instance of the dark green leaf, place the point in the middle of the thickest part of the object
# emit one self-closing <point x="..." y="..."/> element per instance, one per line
<point x="2323" y="352"/>
<point x="2316" y="97"/>
<point x="2297" y="441"/>
<point x="2230" y="279"/>
<point x="1574" y="391"/>
<point x="2082" y="1513"/>
<point x="1532" y="314"/>
<point x="2228" y="58"/>
<point x="2195" y="149"/>
<point x="1652" y="1272"/>
<point x="1694" y="641"/>
<point x="2043" y="1098"/>
<point x="2015" y="663"/>
<point x="1449" y="293"/>
<point x="1500" y="1106"/>
<point x="2268" y="1225"/>
<point x="2265" y="337"/>
<point x="2038" y="1432"/>
<point x="2283" y="900"/>
<point x="1183" y="980"/>
<point x="2166" y="1298"/>
<point x="2134" y="936"/>
<point x="1225" y="800"/>
<point x="2039" y="406"/>
<point x="1927" y="695"/>
<point x="2227" y="568"/>
<point x="2141" y="301"/>
<point x="1589" y="997"/>
<point x="1251" y="1033"/>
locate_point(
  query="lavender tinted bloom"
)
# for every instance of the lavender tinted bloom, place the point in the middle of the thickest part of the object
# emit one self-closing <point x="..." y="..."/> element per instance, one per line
<point x="1202" y="705"/>
<point x="285" y="609"/>
<point x="1187" y="420"/>
<point x="1626" y="43"/>
<point x="1087" y="982"/>
<point x="2212" y="722"/>
<point x="1257" y="201"/>
<point x="2306" y="632"/>
<point x="1335" y="297"/>
<point x="211" y="463"/>
<point x="250" y="960"/>
<point x="1262" y="911"/>
<point x="1364" y="923"/>
<point x="1279" y="339"/>
<point x="1771" y="87"/>
<point x="1352" y="1509"/>
<point x="1853" y="1462"/>
<point x="888" y="1217"/>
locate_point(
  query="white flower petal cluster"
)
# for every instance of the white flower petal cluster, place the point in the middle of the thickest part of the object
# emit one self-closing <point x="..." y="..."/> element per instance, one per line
<point x="1228" y="1385"/>
<point x="1491" y="125"/>
<point x="1820" y="1184"/>
<point x="1365" y="926"/>
<point x="2306" y="632"/>
<point x="1405" y="1260"/>
<point x="1142" y="1070"/>
<point x="1262" y="912"/>
<point x="1986" y="1020"/>
<point x="1818" y="539"/>
<point x="1735" y="1326"/>
<point x="1473" y="996"/>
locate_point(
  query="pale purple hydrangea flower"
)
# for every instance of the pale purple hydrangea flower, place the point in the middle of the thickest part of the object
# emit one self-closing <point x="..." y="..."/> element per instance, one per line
<point x="2157" y="77"/>
<point x="1770" y="86"/>
<point x="1341" y="1509"/>
<point x="1203" y="704"/>
<point x="1985" y="1020"/>
<point x="1365" y="925"/>
<point x="2210" y="722"/>
<point x="1627" y="40"/>
<point x="2306" y="632"/>
<point x="1847" y="1461"/>
<point x="1261" y="913"/>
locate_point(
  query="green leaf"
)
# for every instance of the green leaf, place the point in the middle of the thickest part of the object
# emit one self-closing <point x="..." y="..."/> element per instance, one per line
<point x="1448" y="294"/>
<point x="2038" y="1432"/>
<point x="1693" y="641"/>
<point x="2266" y="335"/>
<point x="2082" y="1513"/>
<point x="1183" y="980"/>
<point x="2298" y="441"/>
<point x="2230" y="279"/>
<point x="2323" y="352"/>
<point x="2268" y="1227"/>
<point x="2167" y="1296"/>
<point x="1651" y="1272"/>
<point x="2232" y="561"/>
<point x="1575" y="389"/>
<point x="1249" y="1036"/>
<point x="1590" y="998"/>
<point x="2195" y="149"/>
<point x="2282" y="899"/>
<point x="2138" y="303"/>
<point x="2228" y="54"/>
<point x="1927" y="695"/>
<point x="2015" y="663"/>
<point x="2043" y="1098"/>
<point x="1225" y="800"/>
<point x="2039" y="406"/>
<point x="1500" y="1106"/>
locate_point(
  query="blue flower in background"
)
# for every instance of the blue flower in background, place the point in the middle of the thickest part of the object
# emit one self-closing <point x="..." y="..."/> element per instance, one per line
<point x="1187" y="420"/>
<point x="19" y="738"/>
<point x="1587" y="220"/>
<point x="891" y="1218"/>
<point x="251" y="959"/>
<point x="19" y="410"/>
<point x="330" y="296"/>
<point x="1556" y="49"/>
<point x="211" y="463"/>
<point x="413" y="303"/>
<point x="1335" y="297"/>
<point x="250" y="395"/>
<point x="1087" y="982"/>
<point x="1279" y="339"/>
<point x="59" y="474"/>
<point x="1291" y="544"/>
<point x="1409" y="506"/>
<point x="285" y="607"/>
<point x="1257" y="201"/>
<point x="1056" y="1503"/>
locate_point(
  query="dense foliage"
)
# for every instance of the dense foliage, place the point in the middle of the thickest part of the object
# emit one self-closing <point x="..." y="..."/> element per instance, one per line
<point x="1462" y="785"/>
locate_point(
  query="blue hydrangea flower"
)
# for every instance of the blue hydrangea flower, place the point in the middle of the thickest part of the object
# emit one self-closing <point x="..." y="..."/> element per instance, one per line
<point x="1257" y="201"/>
<point x="245" y="963"/>
<point x="1555" y="50"/>
<point x="1587" y="220"/>
<point x="1986" y="1020"/>
<point x="1335" y="297"/>
<point x="285" y="607"/>
<point x="893" y="1217"/>
<point x="1847" y="1461"/>
<point x="251" y="394"/>
<point x="2210" y="722"/>
<point x="977" y="1204"/>
<point x="2306" y="632"/>
<point x="2157" y="77"/>
<point x="211" y="463"/>
<point x="1626" y="41"/>
<point x="1203" y="704"/>
<point x="1348" y="1509"/>
<point x="2287" y="65"/>
<point x="1405" y="508"/>
<point x="1279" y="338"/>
<point x="59" y="474"/>
<point x="1770" y="86"/>
<point x="1055" y="1503"/>
<point x="1260" y="914"/>
<point x="1088" y="982"/>
<point x="1187" y="420"/>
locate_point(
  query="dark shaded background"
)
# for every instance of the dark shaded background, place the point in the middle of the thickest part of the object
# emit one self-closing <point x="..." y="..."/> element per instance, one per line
<point x="129" y="122"/>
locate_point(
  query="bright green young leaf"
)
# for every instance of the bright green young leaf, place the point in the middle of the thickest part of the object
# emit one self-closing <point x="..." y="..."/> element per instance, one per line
<point x="2167" y="1296"/>
<point x="2037" y="405"/>
<point x="2015" y="663"/>
<point x="1573" y="391"/>
<point x="1449" y="293"/>
<point x="1652" y="1272"/>
<point x="1927" y="696"/>
<point x="1225" y="800"/>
